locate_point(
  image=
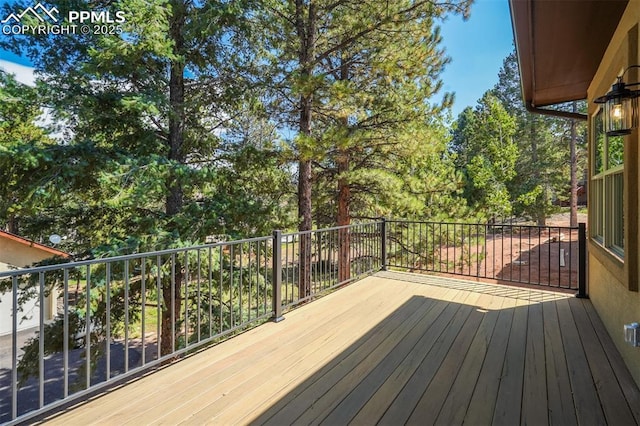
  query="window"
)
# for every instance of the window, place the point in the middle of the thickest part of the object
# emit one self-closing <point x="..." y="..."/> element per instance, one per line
<point x="607" y="188"/>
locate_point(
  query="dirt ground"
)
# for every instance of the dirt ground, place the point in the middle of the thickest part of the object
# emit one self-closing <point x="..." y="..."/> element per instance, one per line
<point x="521" y="254"/>
<point x="562" y="219"/>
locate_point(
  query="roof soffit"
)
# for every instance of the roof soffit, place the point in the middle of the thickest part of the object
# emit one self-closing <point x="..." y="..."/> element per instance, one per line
<point x="560" y="45"/>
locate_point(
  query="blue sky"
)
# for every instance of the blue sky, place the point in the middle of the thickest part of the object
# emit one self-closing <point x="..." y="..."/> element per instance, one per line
<point x="476" y="47"/>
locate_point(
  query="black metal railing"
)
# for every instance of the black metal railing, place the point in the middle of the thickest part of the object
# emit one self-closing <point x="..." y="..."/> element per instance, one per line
<point x="114" y="317"/>
<point x="335" y="256"/>
<point x="548" y="256"/>
<point x="117" y="316"/>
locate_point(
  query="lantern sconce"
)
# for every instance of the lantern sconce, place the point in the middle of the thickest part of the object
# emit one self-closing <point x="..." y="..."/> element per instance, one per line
<point x="621" y="107"/>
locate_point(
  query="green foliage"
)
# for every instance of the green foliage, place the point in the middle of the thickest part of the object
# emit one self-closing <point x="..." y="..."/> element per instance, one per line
<point x="486" y="153"/>
<point x="543" y="165"/>
<point x="25" y="149"/>
<point x="356" y="83"/>
<point x="438" y="247"/>
<point x="54" y="343"/>
<point x="142" y="158"/>
<point x="527" y="174"/>
<point x="380" y="131"/>
<point x="106" y="180"/>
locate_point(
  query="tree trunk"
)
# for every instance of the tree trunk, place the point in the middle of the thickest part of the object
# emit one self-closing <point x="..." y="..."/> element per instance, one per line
<point x="176" y="111"/>
<point x="344" y="218"/>
<point x="170" y="299"/>
<point x="573" y="201"/>
<point x="304" y="216"/>
<point x="175" y="194"/>
<point x="541" y="204"/>
<point x="13" y="226"/>
<point x="344" y="197"/>
<point x="305" y="29"/>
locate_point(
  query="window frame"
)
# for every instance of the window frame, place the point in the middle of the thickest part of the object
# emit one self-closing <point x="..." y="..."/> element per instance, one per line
<point x="607" y="199"/>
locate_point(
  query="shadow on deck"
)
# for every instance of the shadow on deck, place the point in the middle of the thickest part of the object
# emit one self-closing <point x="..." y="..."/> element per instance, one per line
<point x="396" y="348"/>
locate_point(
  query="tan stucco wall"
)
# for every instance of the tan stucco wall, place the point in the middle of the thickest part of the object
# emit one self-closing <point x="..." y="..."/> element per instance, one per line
<point x="616" y="306"/>
<point x="19" y="254"/>
<point x="613" y="284"/>
<point x="16" y="254"/>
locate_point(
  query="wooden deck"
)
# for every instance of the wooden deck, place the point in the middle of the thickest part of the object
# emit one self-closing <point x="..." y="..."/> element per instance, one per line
<point x="395" y="348"/>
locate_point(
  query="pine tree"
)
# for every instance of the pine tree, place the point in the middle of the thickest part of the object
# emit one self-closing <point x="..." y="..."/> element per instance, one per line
<point x="544" y="169"/>
<point x="319" y="53"/>
<point x="487" y="154"/>
<point x="24" y="150"/>
<point x="141" y="112"/>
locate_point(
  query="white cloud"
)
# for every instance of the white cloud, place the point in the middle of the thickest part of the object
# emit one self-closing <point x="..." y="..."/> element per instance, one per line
<point x="23" y="74"/>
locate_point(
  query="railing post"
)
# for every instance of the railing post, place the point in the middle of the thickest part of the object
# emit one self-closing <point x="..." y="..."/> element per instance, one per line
<point x="383" y="244"/>
<point x="14" y="350"/>
<point x="582" y="261"/>
<point x="276" y="271"/>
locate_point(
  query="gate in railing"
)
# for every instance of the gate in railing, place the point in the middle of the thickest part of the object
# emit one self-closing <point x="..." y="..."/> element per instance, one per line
<point x="119" y="316"/>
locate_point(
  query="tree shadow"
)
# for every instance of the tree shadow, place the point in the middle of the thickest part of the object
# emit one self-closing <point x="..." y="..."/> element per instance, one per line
<point x="434" y="361"/>
<point x="29" y="393"/>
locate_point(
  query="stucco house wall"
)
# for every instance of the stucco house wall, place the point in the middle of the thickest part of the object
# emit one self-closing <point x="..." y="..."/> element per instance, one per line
<point x="18" y="252"/>
<point x="613" y="283"/>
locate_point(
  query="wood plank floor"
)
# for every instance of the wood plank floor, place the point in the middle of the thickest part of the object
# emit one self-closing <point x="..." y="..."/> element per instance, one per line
<point x="395" y="348"/>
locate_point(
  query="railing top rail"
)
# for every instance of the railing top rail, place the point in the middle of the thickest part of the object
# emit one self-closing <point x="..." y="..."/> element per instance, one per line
<point x="71" y="265"/>
<point x="334" y="228"/>
<point x="429" y="222"/>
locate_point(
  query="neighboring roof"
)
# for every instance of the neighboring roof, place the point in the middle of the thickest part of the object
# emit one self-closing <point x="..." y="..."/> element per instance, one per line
<point x="560" y="44"/>
<point x="27" y="242"/>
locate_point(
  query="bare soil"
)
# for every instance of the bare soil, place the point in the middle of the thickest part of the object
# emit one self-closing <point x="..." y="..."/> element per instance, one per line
<point x="522" y="254"/>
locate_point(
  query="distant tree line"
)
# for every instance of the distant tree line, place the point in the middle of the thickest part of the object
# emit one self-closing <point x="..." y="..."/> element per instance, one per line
<point x="515" y="162"/>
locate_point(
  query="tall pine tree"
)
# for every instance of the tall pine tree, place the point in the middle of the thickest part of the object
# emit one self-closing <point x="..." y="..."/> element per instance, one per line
<point x="320" y="55"/>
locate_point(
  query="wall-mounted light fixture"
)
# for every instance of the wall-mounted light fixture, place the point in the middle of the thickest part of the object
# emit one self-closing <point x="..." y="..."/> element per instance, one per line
<point x="621" y="107"/>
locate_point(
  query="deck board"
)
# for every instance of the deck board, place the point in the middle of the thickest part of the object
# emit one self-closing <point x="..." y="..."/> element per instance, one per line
<point x="560" y="403"/>
<point x="216" y="398"/>
<point x="585" y="395"/>
<point x="534" y="394"/>
<point x="203" y="408"/>
<point x="375" y="407"/>
<point x="616" y="409"/>
<point x="455" y="406"/>
<point x="427" y="409"/>
<point x="360" y="393"/>
<point x="394" y="348"/>
<point x="627" y="385"/>
<point x="324" y="388"/>
<point x="509" y="398"/>
<point x="483" y="400"/>
<point x="404" y="403"/>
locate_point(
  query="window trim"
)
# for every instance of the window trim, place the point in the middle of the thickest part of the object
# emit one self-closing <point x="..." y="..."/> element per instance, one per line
<point x="602" y="228"/>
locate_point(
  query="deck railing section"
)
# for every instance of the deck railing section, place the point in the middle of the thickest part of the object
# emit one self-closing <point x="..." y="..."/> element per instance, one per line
<point x="540" y="255"/>
<point x="119" y="316"/>
<point x="335" y="256"/>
